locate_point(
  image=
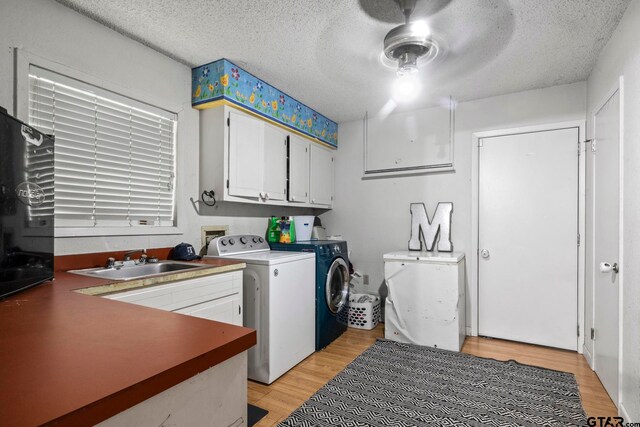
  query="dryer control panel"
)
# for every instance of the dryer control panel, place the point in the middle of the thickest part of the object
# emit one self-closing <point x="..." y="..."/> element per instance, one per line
<point x="237" y="244"/>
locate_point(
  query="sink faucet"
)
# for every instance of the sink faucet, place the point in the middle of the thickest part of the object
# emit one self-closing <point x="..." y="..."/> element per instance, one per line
<point x="143" y="254"/>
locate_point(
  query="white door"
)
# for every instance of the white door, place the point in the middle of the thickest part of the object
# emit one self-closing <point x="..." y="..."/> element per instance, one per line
<point x="246" y="139"/>
<point x="528" y="230"/>
<point x="321" y="176"/>
<point x="606" y="199"/>
<point x="298" y="169"/>
<point x="275" y="163"/>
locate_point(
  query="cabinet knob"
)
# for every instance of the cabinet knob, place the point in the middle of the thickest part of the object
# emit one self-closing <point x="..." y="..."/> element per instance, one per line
<point x="293" y="198"/>
<point x="313" y="200"/>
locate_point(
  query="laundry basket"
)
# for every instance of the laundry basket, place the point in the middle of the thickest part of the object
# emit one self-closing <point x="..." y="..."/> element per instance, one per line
<point x="365" y="314"/>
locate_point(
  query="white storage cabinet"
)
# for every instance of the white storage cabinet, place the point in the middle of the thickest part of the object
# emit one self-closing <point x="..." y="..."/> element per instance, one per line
<point x="321" y="176"/>
<point x="244" y="159"/>
<point x="425" y="304"/>
<point x="298" y="169"/>
<point x="216" y="297"/>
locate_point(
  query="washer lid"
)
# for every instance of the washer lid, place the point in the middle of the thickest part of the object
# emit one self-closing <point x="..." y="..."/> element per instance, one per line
<point x="422" y="256"/>
<point x="268" y="257"/>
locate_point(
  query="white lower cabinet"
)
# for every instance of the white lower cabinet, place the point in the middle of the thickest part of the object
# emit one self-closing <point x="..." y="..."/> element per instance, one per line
<point x="227" y="310"/>
<point x="216" y="297"/>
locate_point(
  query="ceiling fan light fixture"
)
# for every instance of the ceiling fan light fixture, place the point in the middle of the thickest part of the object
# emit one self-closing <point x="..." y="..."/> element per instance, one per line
<point x="406" y="88"/>
<point x="407" y="63"/>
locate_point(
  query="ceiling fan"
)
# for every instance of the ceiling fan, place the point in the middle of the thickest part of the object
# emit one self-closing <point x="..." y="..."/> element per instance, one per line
<point x="409" y="42"/>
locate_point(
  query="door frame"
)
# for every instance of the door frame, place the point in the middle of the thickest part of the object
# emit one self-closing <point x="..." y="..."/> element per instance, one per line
<point x="475" y="179"/>
<point x="618" y="87"/>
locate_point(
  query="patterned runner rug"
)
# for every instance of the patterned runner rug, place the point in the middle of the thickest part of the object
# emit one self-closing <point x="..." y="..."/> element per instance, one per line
<point x="395" y="384"/>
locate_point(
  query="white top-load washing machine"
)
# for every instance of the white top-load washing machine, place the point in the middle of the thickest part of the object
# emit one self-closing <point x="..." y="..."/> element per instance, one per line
<point x="279" y="302"/>
<point x="425" y="304"/>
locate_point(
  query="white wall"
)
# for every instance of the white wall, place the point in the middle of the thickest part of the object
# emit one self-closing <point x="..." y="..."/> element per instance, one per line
<point x="621" y="57"/>
<point x="373" y="214"/>
<point x="45" y="29"/>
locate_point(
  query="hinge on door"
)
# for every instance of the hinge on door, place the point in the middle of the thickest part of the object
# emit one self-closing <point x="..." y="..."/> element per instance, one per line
<point x="228" y="121"/>
<point x="239" y="310"/>
<point x="480" y="142"/>
<point x="578" y="330"/>
<point x="593" y="334"/>
<point x="578" y="239"/>
<point x="593" y="145"/>
<point x="227" y="183"/>
<point x="579" y="150"/>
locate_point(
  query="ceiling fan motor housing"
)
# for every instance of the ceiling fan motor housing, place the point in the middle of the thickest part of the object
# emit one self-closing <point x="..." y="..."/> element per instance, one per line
<point x="406" y="44"/>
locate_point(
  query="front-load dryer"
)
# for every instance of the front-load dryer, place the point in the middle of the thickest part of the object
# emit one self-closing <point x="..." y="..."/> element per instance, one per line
<point x="332" y="285"/>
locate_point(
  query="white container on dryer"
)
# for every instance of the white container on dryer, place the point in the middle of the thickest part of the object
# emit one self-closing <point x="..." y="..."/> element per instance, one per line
<point x="304" y="227"/>
<point x="425" y="304"/>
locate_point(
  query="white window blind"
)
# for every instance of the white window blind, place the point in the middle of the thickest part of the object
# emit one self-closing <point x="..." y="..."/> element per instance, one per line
<point x="114" y="157"/>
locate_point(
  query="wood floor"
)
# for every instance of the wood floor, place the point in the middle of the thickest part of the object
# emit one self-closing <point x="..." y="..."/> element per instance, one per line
<point x="296" y="386"/>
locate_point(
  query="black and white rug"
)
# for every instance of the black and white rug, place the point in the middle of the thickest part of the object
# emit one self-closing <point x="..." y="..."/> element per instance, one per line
<point x="395" y="384"/>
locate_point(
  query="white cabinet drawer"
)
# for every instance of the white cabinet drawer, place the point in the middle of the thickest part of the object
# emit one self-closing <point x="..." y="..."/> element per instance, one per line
<point x="227" y="310"/>
<point x="185" y="293"/>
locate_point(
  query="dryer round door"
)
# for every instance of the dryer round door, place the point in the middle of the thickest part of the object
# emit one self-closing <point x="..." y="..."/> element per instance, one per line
<point x="337" y="285"/>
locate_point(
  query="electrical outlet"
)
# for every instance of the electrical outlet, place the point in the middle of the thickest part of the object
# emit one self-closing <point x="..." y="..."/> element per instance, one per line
<point x="365" y="279"/>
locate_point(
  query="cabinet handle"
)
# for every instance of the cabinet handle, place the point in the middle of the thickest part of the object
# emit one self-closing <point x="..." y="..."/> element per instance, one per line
<point x="293" y="199"/>
<point x="266" y="197"/>
<point x="313" y="200"/>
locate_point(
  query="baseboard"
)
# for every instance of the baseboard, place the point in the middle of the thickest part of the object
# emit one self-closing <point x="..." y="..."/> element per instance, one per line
<point x="587" y="355"/>
<point x="468" y="331"/>
<point x="624" y="414"/>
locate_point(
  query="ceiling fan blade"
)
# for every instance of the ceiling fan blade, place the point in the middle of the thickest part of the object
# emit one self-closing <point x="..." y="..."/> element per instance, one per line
<point x="389" y="11"/>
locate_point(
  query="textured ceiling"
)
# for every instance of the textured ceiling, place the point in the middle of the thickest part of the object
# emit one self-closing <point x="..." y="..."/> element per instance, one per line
<point x="327" y="52"/>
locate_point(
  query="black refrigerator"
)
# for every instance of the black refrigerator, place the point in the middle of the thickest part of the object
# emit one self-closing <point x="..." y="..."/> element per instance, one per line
<point x="26" y="206"/>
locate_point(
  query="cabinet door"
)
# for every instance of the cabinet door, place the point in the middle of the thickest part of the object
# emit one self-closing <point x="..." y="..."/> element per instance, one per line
<point x="227" y="310"/>
<point x="298" y="169"/>
<point x="275" y="163"/>
<point x="246" y="144"/>
<point x="321" y="176"/>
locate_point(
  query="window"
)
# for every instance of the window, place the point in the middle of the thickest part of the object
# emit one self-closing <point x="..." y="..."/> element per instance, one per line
<point x="114" y="157"/>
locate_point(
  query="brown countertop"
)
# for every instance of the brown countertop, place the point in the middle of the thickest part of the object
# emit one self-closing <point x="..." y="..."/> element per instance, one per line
<point x="73" y="359"/>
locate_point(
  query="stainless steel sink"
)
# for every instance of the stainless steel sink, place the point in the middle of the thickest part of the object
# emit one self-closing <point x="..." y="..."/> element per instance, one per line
<point x="138" y="271"/>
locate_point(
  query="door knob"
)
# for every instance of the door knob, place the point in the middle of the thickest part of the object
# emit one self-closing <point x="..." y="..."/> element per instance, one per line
<point x="484" y="253"/>
<point x="607" y="267"/>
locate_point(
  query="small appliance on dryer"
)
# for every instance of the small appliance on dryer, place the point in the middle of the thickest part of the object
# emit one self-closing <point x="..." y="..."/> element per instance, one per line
<point x="278" y="299"/>
<point x="332" y="285"/>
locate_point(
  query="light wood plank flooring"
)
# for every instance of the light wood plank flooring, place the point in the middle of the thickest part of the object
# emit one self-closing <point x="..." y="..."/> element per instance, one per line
<point x="288" y="392"/>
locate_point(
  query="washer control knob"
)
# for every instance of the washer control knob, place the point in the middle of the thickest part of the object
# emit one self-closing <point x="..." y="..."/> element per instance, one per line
<point x="260" y="239"/>
<point x="255" y="240"/>
<point x="223" y="242"/>
<point x="232" y="242"/>
<point x="243" y="240"/>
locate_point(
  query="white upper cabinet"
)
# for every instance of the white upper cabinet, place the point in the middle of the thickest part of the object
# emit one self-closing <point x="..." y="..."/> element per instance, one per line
<point x="321" y="176"/>
<point x="245" y="159"/>
<point x="246" y="147"/>
<point x="274" y="163"/>
<point x="298" y="169"/>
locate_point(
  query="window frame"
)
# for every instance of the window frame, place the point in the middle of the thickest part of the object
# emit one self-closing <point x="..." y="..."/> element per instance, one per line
<point x="23" y="62"/>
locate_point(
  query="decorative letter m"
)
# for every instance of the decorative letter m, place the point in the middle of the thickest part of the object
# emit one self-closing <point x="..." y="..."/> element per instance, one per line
<point x="439" y="226"/>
